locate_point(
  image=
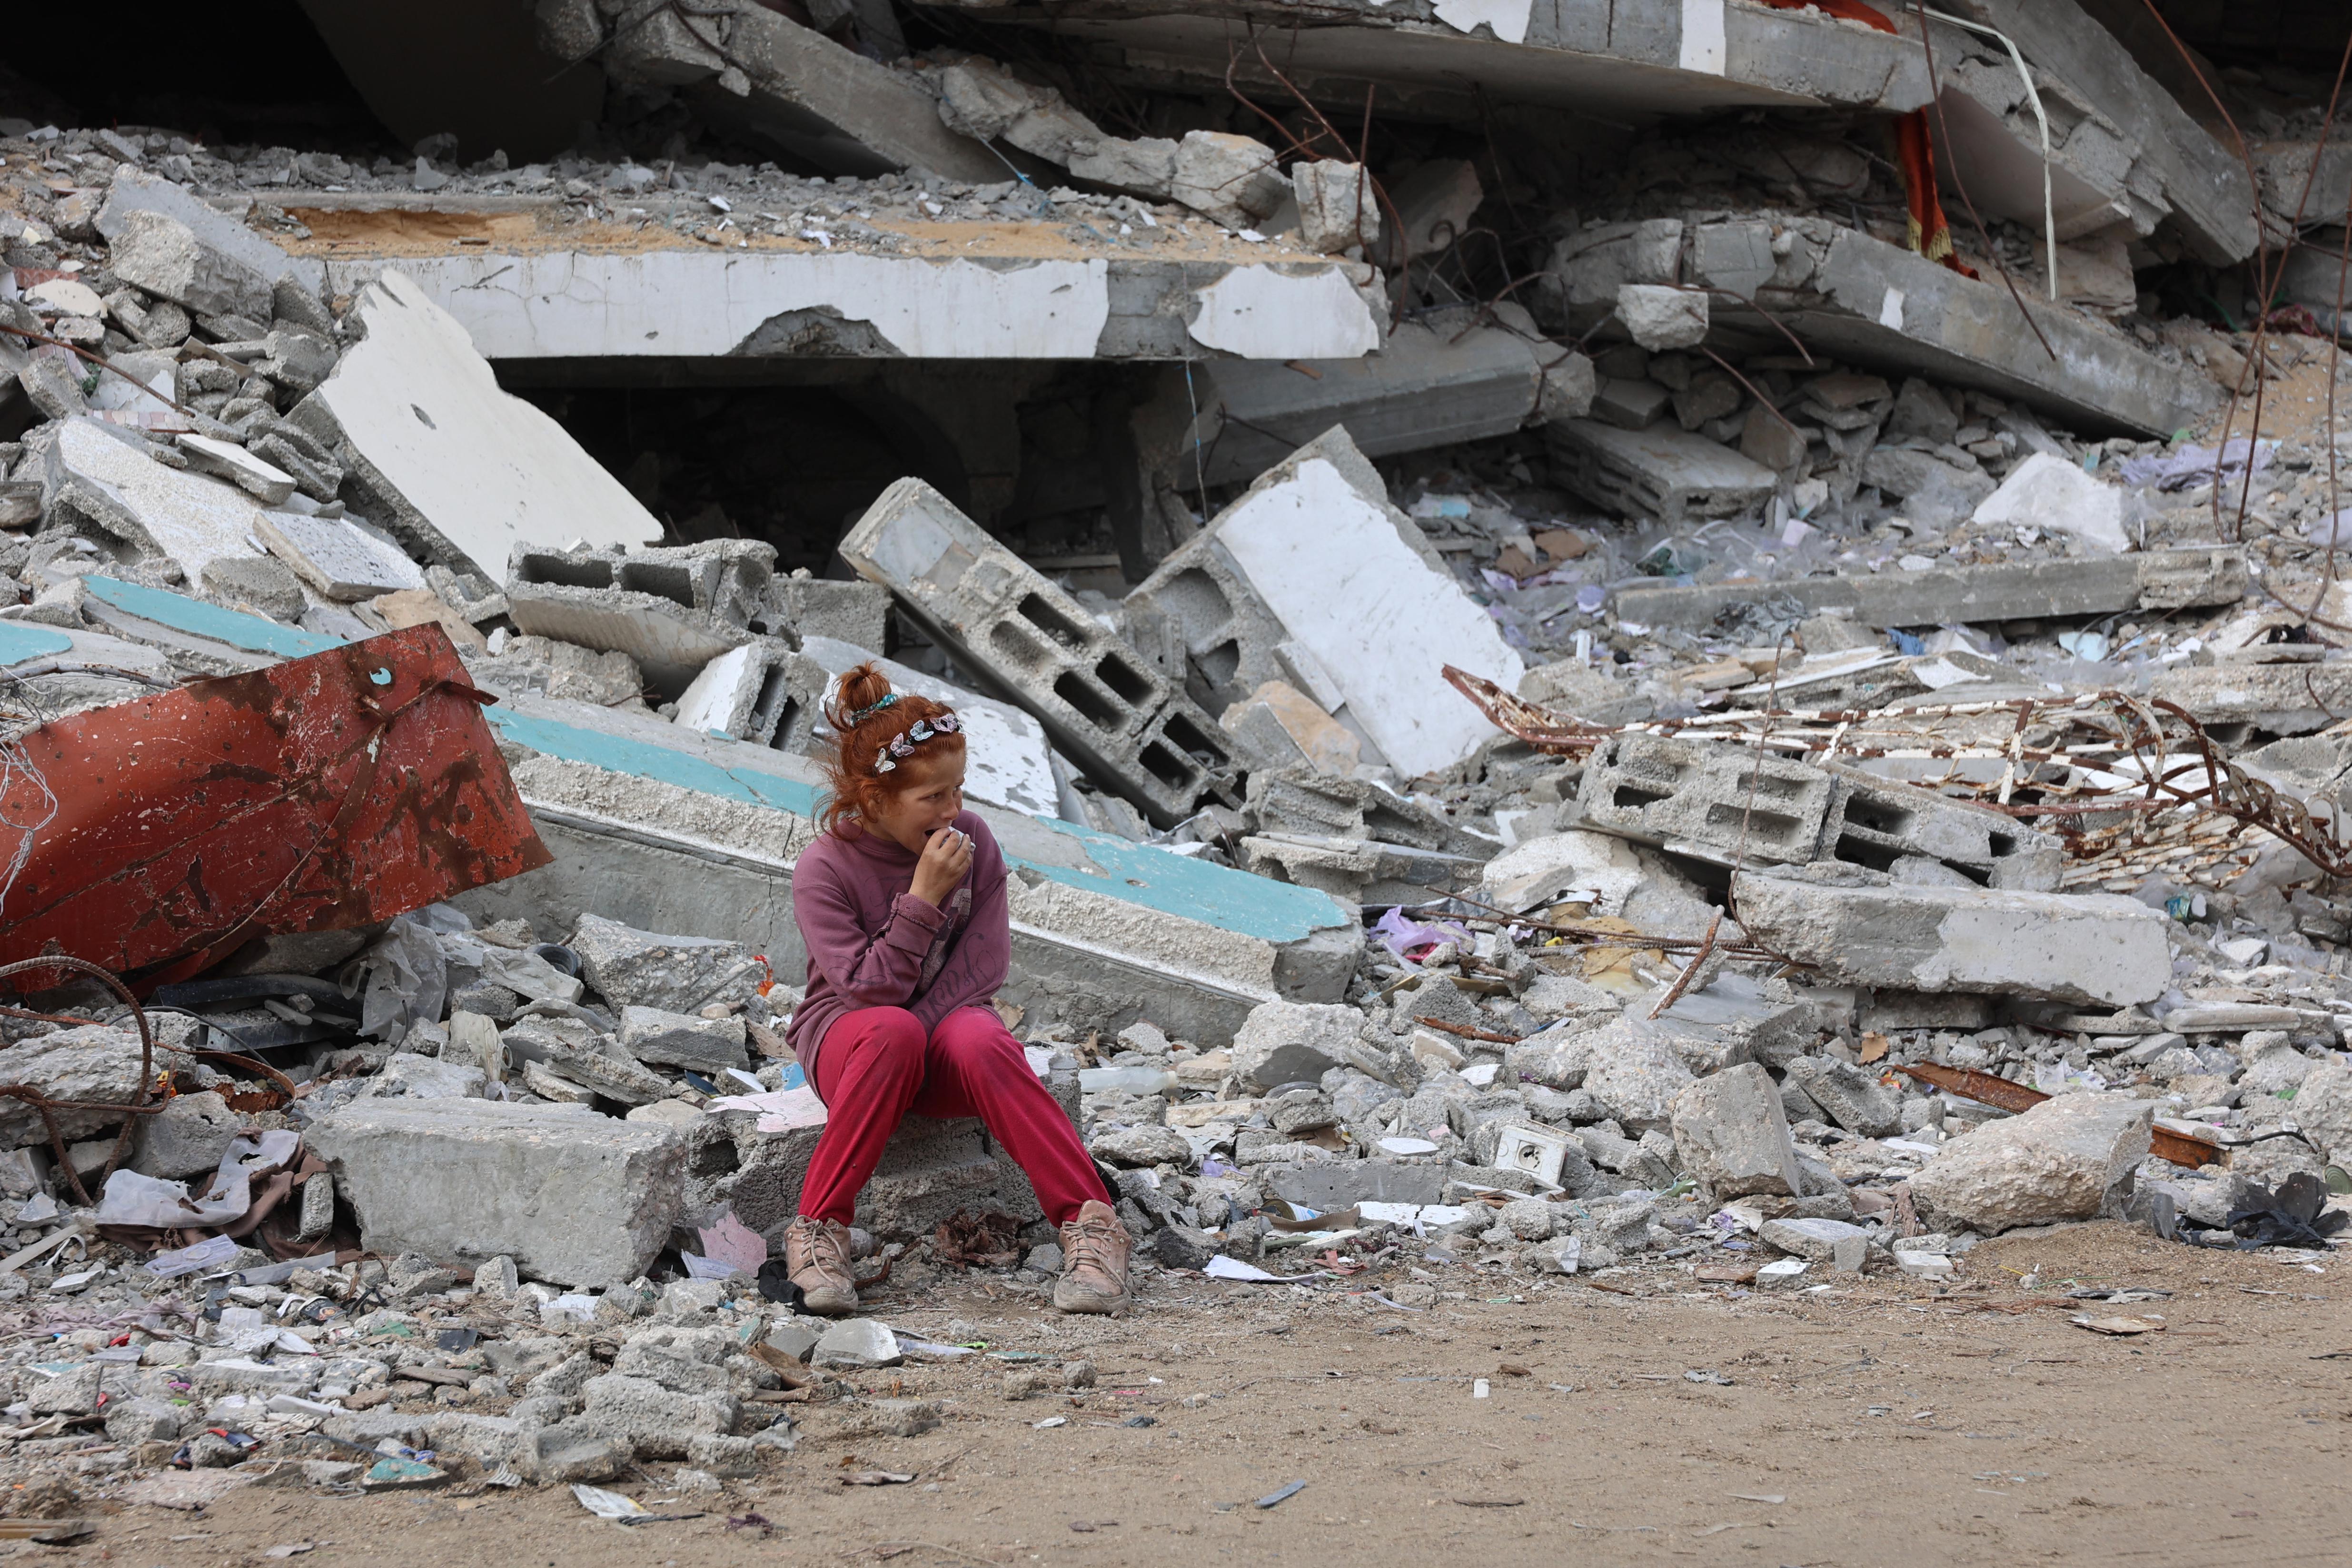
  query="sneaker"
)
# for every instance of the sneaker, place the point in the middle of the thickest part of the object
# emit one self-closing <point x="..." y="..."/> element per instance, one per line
<point x="1095" y="1248"/>
<point x="816" y="1256"/>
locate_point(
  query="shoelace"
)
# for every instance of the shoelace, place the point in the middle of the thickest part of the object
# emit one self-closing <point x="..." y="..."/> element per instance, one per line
<point x="1092" y="1242"/>
<point x="826" y="1251"/>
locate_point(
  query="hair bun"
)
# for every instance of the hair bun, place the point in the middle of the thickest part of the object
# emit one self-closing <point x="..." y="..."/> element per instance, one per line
<point x="855" y="690"/>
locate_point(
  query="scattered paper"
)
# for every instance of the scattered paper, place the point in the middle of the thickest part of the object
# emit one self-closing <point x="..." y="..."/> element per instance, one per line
<point x="608" y="1505"/>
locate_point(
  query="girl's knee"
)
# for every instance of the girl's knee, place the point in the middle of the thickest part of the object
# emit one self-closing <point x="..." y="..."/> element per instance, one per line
<point x="976" y="1032"/>
<point x="891" y="1032"/>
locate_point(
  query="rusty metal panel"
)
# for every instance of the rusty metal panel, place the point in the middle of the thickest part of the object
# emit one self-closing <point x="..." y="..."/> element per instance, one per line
<point x="315" y="794"/>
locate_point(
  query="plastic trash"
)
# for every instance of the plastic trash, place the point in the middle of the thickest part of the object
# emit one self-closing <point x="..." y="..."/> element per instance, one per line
<point x="206" y="1254"/>
<point x="609" y="1505"/>
<point x="1126" y="1080"/>
<point x="132" y="1199"/>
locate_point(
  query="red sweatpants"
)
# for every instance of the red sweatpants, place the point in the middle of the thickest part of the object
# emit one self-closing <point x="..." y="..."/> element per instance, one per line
<point x="874" y="1066"/>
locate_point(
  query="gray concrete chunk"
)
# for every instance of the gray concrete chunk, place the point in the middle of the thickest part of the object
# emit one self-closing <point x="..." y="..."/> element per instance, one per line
<point x="2080" y="948"/>
<point x="575" y="1197"/>
<point x="1731" y="1134"/>
<point x="709" y="1045"/>
<point x="2070" y="1158"/>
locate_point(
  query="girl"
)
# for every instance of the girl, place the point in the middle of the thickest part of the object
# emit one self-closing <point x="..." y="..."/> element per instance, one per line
<point x="901" y="904"/>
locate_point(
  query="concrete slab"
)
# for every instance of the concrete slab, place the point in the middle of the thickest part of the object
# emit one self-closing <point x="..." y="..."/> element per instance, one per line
<point x="2137" y="146"/>
<point x="532" y="287"/>
<point x="2082" y="948"/>
<point x="338" y="557"/>
<point x="2163" y="579"/>
<point x="187" y="519"/>
<point x="134" y="190"/>
<point x="1891" y="311"/>
<point x="459" y="469"/>
<point x="1661" y="471"/>
<point x="1636" y="59"/>
<point x="1437" y="381"/>
<point x="1356" y="584"/>
<point x="775" y="83"/>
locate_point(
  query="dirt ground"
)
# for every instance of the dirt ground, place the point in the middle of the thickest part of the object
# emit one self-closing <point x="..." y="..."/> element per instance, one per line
<point x="1885" y="1421"/>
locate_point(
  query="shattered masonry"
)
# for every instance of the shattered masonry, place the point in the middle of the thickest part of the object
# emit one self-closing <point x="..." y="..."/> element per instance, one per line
<point x="1607" y="643"/>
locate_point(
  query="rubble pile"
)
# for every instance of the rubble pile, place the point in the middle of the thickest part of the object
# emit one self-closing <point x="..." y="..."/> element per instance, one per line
<point x="1771" y="753"/>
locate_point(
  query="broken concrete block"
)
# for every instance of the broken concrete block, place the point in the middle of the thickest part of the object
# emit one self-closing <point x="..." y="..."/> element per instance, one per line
<point x="254" y="583"/>
<point x="1293" y="1042"/>
<point x="1665" y="790"/>
<point x="107" y="477"/>
<point x="741" y="693"/>
<point x="406" y="1075"/>
<point x="2067" y="1158"/>
<point x="572" y="1196"/>
<point x="1663" y="472"/>
<point x="1630" y="402"/>
<point x="1854" y="1099"/>
<point x="187" y="1138"/>
<point x="1132" y="730"/>
<point x="1008" y="761"/>
<point x="1575" y="867"/>
<point x="1232" y="179"/>
<point x="1441" y="377"/>
<point x="227" y="461"/>
<point x="854" y="614"/>
<point x="1337" y="206"/>
<point x="2284" y="699"/>
<point x="1282" y="725"/>
<point x="459" y="470"/>
<point x="655" y="1422"/>
<point x="775" y="82"/>
<point x="2072" y="948"/>
<point x="673" y="610"/>
<point x="91" y="1063"/>
<point x="2167" y="579"/>
<point x="709" y="1045"/>
<point x="164" y="255"/>
<point x="633" y="968"/>
<point x="337" y="557"/>
<point x="1731" y="1135"/>
<point x="1878" y="823"/>
<point x="2323" y="1111"/>
<point x="1314" y="555"/>
<point x="1633" y="1072"/>
<point x="1815" y="1240"/>
<point x="1661" y="317"/>
<point x="2057" y="497"/>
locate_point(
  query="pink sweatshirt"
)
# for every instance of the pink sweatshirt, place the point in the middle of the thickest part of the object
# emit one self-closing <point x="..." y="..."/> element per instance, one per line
<point x="872" y="944"/>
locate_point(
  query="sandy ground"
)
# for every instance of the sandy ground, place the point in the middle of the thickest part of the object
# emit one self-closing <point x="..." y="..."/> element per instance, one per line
<point x="1884" y="1422"/>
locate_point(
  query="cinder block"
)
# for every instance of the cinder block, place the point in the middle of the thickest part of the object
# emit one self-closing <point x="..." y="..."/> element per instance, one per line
<point x="742" y="692"/>
<point x="1660" y="789"/>
<point x="1874" y="822"/>
<point x="1132" y="730"/>
<point x="673" y="610"/>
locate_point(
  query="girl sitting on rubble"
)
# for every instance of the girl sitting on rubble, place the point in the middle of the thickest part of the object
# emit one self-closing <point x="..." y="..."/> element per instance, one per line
<point x="901" y="904"/>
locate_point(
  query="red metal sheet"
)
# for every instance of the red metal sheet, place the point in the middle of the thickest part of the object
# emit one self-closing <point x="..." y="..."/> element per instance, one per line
<point x="315" y="794"/>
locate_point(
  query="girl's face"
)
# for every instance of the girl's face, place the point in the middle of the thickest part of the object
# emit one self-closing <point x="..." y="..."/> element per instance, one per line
<point x="928" y="796"/>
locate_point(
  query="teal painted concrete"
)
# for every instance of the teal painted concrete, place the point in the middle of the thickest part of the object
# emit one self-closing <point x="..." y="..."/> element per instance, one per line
<point x="255" y="633"/>
<point x="20" y="642"/>
<point x="1172" y="884"/>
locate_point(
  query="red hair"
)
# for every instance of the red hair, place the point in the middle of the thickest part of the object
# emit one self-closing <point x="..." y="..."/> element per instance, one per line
<point x="855" y="788"/>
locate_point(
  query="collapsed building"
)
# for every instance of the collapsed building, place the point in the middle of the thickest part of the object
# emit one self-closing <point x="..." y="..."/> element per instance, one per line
<point x="1689" y="636"/>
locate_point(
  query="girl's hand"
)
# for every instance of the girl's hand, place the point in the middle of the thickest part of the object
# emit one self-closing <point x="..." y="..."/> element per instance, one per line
<point x="947" y="856"/>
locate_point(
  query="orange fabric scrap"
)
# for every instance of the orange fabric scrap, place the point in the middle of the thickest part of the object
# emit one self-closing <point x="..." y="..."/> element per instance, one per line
<point x="1928" y="233"/>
